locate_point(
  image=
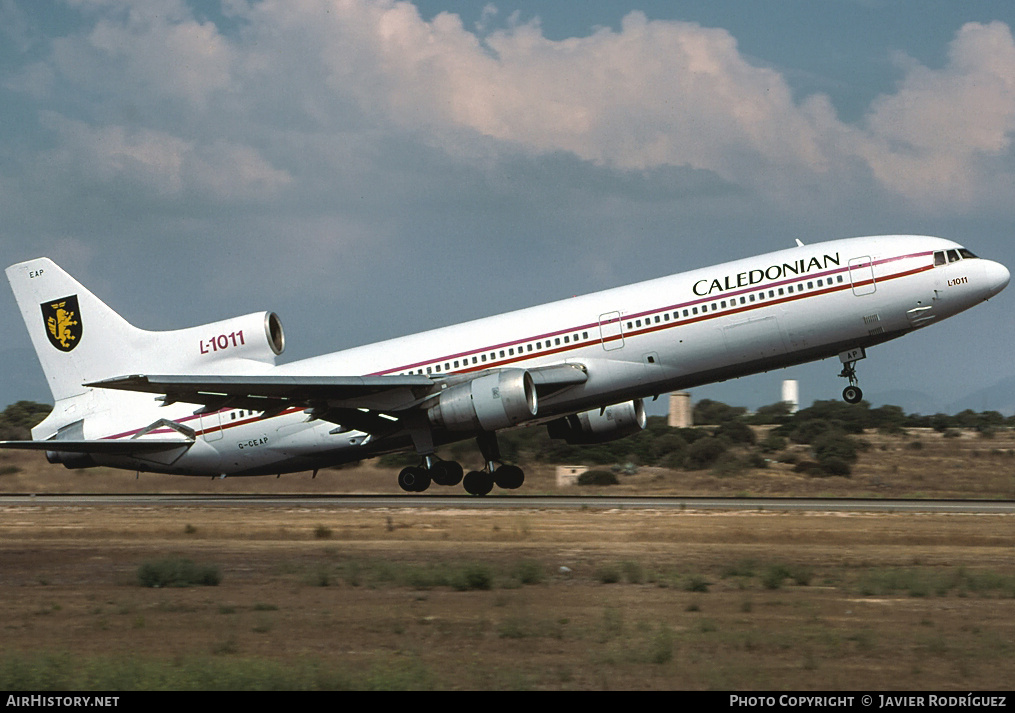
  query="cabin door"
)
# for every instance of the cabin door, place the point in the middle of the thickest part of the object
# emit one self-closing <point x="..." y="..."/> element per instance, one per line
<point x="611" y="331"/>
<point x="861" y="274"/>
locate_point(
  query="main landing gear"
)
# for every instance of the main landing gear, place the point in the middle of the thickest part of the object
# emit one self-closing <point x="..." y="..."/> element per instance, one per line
<point x="852" y="393"/>
<point x="416" y="479"/>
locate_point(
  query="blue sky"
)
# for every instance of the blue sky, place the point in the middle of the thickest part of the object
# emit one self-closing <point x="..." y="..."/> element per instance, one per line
<point x="370" y="169"/>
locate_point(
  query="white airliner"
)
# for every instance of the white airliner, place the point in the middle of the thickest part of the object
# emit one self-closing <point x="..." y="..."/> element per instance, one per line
<point x="581" y="366"/>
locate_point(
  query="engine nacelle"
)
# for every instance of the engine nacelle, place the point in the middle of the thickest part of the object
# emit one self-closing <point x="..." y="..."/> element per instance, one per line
<point x="73" y="461"/>
<point x="497" y="400"/>
<point x="600" y="425"/>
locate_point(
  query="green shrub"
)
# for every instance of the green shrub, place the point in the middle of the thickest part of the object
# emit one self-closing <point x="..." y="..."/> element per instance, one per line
<point x="598" y="477"/>
<point x="177" y="572"/>
<point x="17" y="420"/>
<point x="608" y="574"/>
<point x="774" y="576"/>
<point x="472" y="576"/>
<point x="529" y="572"/>
<point x="704" y="453"/>
<point x="773" y="443"/>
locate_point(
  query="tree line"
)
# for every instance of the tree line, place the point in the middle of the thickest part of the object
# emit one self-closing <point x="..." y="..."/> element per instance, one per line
<point x="723" y="441"/>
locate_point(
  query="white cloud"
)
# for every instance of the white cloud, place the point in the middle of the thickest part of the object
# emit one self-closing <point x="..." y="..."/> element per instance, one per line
<point x="928" y="139"/>
<point x="159" y="164"/>
<point x="300" y="75"/>
<point x="659" y="93"/>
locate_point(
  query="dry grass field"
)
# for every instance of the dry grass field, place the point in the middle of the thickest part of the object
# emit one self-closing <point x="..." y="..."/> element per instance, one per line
<point x="399" y="598"/>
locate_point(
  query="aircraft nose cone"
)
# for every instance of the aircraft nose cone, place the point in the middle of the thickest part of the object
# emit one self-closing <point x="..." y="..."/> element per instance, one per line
<point x="997" y="276"/>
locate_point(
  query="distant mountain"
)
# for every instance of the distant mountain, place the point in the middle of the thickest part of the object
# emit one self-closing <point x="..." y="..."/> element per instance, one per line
<point x="998" y="397"/>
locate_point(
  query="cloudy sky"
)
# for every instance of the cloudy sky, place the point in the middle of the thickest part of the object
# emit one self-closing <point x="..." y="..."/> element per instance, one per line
<point x="369" y="168"/>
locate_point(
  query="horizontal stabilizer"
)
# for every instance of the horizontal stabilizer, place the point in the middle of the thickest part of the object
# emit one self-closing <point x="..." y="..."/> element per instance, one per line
<point x="125" y="447"/>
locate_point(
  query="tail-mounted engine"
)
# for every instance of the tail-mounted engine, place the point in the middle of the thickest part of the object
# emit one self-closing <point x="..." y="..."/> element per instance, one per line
<point x="256" y="337"/>
<point x="490" y="402"/>
<point x="600" y="425"/>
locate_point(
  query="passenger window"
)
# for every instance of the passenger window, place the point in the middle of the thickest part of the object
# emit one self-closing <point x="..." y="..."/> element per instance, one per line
<point x="953" y="256"/>
<point x="694" y="310"/>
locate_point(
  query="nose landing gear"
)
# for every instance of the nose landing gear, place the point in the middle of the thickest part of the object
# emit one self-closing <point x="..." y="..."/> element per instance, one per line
<point x="852" y="393"/>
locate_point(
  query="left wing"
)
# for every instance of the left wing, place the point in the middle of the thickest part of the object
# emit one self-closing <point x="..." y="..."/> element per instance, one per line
<point x="372" y="404"/>
<point x="274" y="394"/>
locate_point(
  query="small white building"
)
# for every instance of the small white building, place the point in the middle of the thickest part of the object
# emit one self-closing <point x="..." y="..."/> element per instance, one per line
<point x="568" y="474"/>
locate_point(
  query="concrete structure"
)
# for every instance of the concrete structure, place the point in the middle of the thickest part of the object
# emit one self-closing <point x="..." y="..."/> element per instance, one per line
<point x="680" y="410"/>
<point x="568" y="474"/>
<point x="791" y="394"/>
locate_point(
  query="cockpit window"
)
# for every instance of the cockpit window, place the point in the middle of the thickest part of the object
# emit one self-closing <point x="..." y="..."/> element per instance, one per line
<point x="953" y="256"/>
<point x="966" y="253"/>
<point x="939" y="257"/>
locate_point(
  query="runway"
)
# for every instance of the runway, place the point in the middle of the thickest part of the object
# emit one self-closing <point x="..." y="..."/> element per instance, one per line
<point x="538" y="502"/>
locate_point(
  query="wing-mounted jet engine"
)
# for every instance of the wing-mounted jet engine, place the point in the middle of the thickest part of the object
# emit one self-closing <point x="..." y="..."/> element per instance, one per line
<point x="600" y="425"/>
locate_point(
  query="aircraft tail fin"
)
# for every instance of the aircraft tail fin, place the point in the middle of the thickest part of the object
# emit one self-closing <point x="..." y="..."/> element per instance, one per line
<point x="76" y="336"/>
<point x="80" y="340"/>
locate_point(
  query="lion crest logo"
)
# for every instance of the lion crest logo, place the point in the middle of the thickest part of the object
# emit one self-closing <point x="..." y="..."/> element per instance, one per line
<point x="63" y="322"/>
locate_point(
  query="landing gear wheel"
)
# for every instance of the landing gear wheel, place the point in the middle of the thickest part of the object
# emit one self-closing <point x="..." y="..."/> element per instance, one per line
<point x="413" y="480"/>
<point x="446" y="472"/>
<point x="478" y="482"/>
<point x="509" y="477"/>
<point x="852" y="394"/>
